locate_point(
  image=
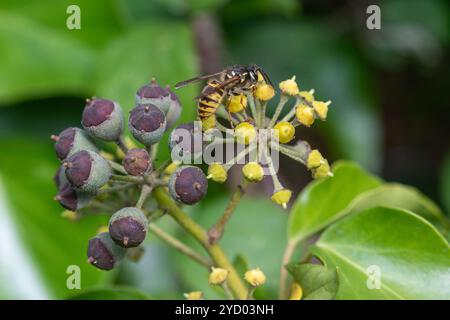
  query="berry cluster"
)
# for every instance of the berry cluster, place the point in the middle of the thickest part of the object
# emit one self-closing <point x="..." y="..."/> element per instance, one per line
<point x="87" y="176"/>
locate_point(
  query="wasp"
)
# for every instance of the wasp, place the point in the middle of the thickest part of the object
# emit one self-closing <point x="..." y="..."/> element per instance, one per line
<point x="226" y="83"/>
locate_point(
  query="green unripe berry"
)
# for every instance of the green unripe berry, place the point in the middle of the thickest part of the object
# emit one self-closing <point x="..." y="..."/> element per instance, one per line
<point x="70" y="141"/>
<point x="103" y="119"/>
<point x="128" y="227"/>
<point x="87" y="171"/>
<point x="188" y="184"/>
<point x="103" y="253"/>
<point x="147" y="124"/>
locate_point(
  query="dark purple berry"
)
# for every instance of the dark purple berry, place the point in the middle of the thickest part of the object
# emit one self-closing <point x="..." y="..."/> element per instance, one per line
<point x="71" y="199"/>
<point x="87" y="171"/>
<point x="147" y="123"/>
<point x="128" y="227"/>
<point x="72" y="140"/>
<point x="103" y="253"/>
<point x="186" y="143"/>
<point x="137" y="162"/>
<point x="188" y="184"/>
<point x="163" y="98"/>
<point x="103" y="119"/>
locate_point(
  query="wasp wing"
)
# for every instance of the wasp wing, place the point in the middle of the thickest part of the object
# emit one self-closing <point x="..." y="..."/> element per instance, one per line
<point x="193" y="80"/>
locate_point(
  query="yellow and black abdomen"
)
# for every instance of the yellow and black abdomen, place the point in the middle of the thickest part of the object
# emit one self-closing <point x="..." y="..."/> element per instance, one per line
<point x="210" y="99"/>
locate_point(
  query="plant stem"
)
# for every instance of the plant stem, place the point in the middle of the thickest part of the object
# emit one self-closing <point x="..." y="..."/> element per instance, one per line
<point x="215" y="252"/>
<point x="145" y="192"/>
<point x="250" y="292"/>
<point x="116" y="188"/>
<point x="178" y="245"/>
<point x="216" y="232"/>
<point x="279" y="108"/>
<point x="122" y="145"/>
<point x="135" y="180"/>
<point x="288" y="252"/>
<point x="117" y="167"/>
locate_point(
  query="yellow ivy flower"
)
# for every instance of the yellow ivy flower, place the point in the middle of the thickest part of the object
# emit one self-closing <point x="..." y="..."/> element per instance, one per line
<point x="286" y="131"/>
<point x="264" y="92"/>
<point x="305" y="115"/>
<point x="237" y="103"/>
<point x="255" y="277"/>
<point x="321" y="108"/>
<point x="194" y="295"/>
<point x="253" y="172"/>
<point x="282" y="197"/>
<point x="314" y="160"/>
<point x="322" y="171"/>
<point x="289" y="87"/>
<point x="217" y="173"/>
<point x="307" y="95"/>
<point x="217" y="276"/>
<point x="245" y="132"/>
<point x="296" y="292"/>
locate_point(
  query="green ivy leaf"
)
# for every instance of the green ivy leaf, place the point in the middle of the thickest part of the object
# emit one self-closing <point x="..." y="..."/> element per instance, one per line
<point x="403" y="197"/>
<point x="318" y="282"/>
<point x="323" y="201"/>
<point x="404" y="251"/>
<point x="51" y="242"/>
<point x="111" y="293"/>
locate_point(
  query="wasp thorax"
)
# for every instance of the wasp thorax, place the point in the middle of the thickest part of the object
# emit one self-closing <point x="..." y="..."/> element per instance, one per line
<point x="163" y="98"/>
<point x="188" y="184"/>
<point x="87" y="171"/>
<point x="72" y="140"/>
<point x="103" y="253"/>
<point x="71" y="199"/>
<point x="147" y="123"/>
<point x="186" y="142"/>
<point x="103" y="119"/>
<point x="137" y="162"/>
<point x="128" y="227"/>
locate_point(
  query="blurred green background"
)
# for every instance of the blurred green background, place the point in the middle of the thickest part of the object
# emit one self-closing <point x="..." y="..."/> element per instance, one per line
<point x="389" y="113"/>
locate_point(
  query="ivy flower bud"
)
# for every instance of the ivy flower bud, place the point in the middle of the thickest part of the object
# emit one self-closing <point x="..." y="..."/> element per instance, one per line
<point x="186" y="143"/>
<point x="322" y="171"/>
<point x="289" y="87"/>
<point x="71" y="199"/>
<point x="103" y="119"/>
<point x="217" y="173"/>
<point x="237" y="103"/>
<point x="137" y="162"/>
<point x="264" y="92"/>
<point x="255" y="277"/>
<point x="147" y="123"/>
<point x="218" y="276"/>
<point x="103" y="253"/>
<point x="321" y="108"/>
<point x="87" y="171"/>
<point x="188" y="184"/>
<point x="304" y="114"/>
<point x="163" y="98"/>
<point x="245" y="133"/>
<point x="296" y="292"/>
<point x="315" y="159"/>
<point x="128" y="227"/>
<point x="194" y="295"/>
<point x="70" y="141"/>
<point x="308" y="96"/>
<point x="253" y="172"/>
<point x="282" y="197"/>
<point x="286" y="131"/>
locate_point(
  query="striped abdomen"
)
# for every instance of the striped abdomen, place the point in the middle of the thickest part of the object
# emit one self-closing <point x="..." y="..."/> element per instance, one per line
<point x="210" y="99"/>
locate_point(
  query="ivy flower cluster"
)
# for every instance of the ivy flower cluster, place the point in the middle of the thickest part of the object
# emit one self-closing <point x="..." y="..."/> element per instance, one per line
<point x="104" y="171"/>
